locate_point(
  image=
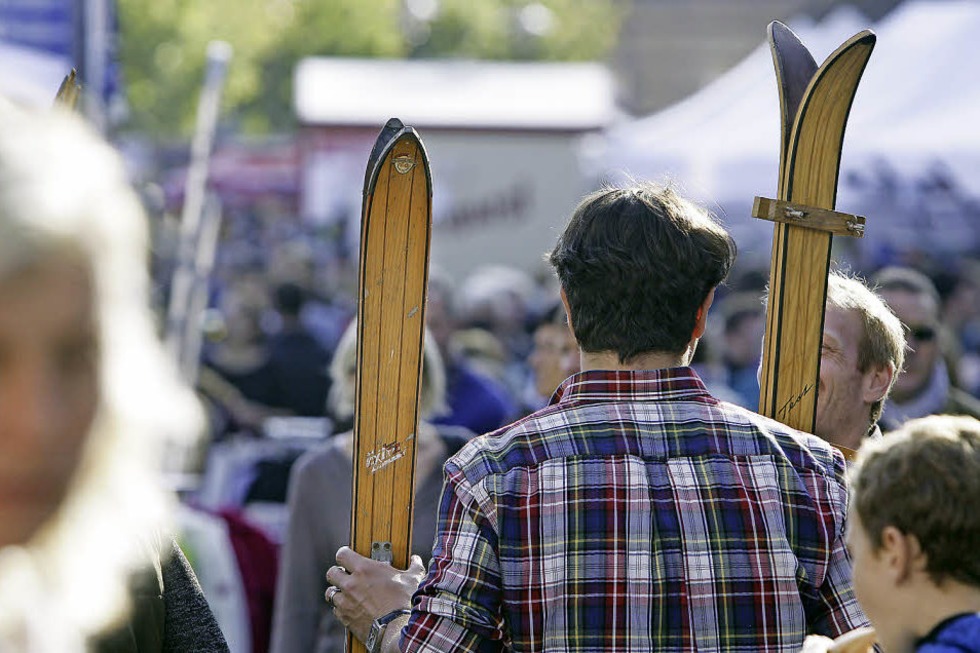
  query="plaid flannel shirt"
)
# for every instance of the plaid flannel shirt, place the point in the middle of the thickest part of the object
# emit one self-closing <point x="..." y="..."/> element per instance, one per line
<point x="638" y="513"/>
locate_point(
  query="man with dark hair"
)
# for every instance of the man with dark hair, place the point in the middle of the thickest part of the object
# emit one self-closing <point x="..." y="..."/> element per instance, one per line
<point x="636" y="512"/>
<point x="925" y="386"/>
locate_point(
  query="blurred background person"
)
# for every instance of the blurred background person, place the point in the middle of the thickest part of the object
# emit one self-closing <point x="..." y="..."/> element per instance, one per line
<point x="744" y="317"/>
<point x="320" y="504"/>
<point x="298" y="362"/>
<point x="325" y="313"/>
<point x="235" y="372"/>
<point x="475" y="401"/>
<point x="959" y="291"/>
<point x="498" y="299"/>
<point x="926" y="385"/>
<point x="87" y="400"/>
<point x="554" y="357"/>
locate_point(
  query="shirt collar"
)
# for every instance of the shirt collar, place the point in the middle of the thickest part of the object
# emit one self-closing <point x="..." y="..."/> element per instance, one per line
<point x="635" y="385"/>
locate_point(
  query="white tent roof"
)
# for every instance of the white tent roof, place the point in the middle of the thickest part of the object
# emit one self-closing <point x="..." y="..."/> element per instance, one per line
<point x="921" y="88"/>
<point x="30" y="77"/>
<point x="735" y="115"/>
<point x="918" y="103"/>
<point x="455" y="93"/>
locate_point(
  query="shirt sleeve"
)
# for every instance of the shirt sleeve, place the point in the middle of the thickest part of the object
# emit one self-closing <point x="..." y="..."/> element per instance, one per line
<point x="457" y="606"/>
<point x="835" y="609"/>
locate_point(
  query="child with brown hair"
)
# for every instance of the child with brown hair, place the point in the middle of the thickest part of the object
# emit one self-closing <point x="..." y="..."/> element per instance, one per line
<point x="914" y="535"/>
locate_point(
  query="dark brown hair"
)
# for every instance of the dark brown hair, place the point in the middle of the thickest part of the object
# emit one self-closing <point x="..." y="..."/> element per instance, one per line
<point x="636" y="264"/>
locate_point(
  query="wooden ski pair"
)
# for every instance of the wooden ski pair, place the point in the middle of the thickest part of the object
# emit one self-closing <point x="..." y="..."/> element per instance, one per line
<point x="814" y="105"/>
<point x="394" y="255"/>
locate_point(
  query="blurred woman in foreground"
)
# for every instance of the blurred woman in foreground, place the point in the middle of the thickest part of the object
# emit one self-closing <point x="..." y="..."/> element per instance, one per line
<point x="87" y="398"/>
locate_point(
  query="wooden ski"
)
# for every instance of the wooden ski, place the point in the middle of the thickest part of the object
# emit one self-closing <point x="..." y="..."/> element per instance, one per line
<point x="394" y="264"/>
<point x="814" y="105"/>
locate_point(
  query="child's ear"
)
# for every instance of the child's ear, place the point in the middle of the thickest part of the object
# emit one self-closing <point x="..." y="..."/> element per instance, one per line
<point x="902" y="554"/>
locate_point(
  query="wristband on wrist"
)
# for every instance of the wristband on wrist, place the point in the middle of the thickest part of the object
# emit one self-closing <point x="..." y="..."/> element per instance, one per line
<point x="378" y="627"/>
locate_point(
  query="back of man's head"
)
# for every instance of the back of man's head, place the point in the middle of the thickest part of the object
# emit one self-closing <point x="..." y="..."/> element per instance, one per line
<point x="924" y="480"/>
<point x="635" y="265"/>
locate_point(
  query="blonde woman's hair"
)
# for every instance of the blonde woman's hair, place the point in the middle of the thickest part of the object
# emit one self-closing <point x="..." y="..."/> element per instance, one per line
<point x="64" y="192"/>
<point x="343" y="367"/>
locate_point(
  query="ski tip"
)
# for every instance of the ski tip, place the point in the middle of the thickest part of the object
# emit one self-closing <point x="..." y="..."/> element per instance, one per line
<point x="778" y="25"/>
<point x="781" y="36"/>
<point x="388" y="133"/>
<point x="393" y="124"/>
<point x="866" y="36"/>
<point x="385" y="136"/>
<point x="393" y="130"/>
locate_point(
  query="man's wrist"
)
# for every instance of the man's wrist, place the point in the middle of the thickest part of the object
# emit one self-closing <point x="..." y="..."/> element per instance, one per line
<point x="393" y="633"/>
<point x="380" y="629"/>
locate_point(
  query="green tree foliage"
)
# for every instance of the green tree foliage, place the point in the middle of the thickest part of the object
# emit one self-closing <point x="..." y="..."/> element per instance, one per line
<point x="163" y="44"/>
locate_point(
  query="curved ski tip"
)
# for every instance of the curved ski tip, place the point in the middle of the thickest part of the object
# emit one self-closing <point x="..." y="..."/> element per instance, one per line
<point x="864" y="41"/>
<point x="781" y="33"/>
<point x="387" y="134"/>
<point x="867" y="36"/>
<point x="393" y="124"/>
<point x="392" y="133"/>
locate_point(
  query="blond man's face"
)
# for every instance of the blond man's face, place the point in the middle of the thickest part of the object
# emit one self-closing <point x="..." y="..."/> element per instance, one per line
<point x="843" y="413"/>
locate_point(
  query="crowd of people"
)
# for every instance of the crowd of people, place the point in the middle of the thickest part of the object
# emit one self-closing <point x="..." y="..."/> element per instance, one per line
<point x="592" y="474"/>
<point x="503" y="337"/>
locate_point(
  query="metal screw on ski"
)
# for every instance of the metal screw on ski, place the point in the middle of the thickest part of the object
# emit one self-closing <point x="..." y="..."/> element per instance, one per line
<point x="814" y="104"/>
<point x="394" y="265"/>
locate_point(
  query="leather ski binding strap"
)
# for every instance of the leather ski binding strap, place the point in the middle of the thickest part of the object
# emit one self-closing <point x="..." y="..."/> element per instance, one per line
<point x="811" y="217"/>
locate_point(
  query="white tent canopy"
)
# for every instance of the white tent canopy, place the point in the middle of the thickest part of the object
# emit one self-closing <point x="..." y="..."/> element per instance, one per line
<point x="30" y="77"/>
<point x="914" y="117"/>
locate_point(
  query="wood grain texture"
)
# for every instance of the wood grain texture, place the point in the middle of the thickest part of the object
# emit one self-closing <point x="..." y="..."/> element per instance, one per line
<point x="801" y="256"/>
<point x="395" y="237"/>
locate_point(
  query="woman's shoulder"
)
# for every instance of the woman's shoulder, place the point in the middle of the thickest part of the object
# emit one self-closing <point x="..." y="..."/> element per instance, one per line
<point x="332" y="454"/>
